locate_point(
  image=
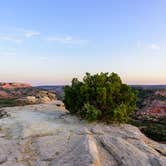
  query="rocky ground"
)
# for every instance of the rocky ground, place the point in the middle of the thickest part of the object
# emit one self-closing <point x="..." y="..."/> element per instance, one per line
<point x="46" y="135"/>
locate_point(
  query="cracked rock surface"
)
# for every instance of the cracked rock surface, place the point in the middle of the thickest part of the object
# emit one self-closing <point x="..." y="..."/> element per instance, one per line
<point x="46" y="135"/>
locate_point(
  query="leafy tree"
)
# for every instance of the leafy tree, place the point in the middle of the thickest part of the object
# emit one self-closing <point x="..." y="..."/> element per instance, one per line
<point x="100" y="97"/>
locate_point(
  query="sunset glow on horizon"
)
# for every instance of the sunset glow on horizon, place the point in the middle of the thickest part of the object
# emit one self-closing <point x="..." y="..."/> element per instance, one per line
<point x="50" y="42"/>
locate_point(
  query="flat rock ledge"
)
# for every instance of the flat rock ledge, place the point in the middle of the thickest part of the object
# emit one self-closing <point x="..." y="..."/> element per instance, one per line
<point x="47" y="135"/>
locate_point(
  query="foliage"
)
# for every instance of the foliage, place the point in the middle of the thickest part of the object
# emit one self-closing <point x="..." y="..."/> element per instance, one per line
<point x="156" y="132"/>
<point x="91" y="112"/>
<point x="153" y="127"/>
<point x="100" y="97"/>
<point x="7" y="102"/>
<point x="159" y="97"/>
<point x="142" y="95"/>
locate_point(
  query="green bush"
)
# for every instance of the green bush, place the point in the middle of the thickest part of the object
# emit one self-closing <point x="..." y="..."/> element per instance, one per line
<point x="7" y="102"/>
<point x="91" y="112"/>
<point x="100" y="97"/>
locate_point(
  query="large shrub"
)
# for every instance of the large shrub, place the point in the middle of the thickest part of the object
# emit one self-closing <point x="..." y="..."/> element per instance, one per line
<point x="100" y="97"/>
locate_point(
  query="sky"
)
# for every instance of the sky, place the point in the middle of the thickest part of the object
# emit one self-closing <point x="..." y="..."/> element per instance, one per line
<point x="48" y="42"/>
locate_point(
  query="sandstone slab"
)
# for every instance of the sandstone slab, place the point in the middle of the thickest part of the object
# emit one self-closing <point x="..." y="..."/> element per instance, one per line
<point x="47" y="135"/>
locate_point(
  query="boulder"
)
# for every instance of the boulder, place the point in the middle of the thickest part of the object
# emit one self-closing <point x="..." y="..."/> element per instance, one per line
<point x="31" y="99"/>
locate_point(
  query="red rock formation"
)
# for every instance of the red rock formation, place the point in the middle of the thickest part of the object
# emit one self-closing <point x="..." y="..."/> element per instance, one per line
<point x="14" y="85"/>
<point x="3" y="94"/>
<point x="157" y="108"/>
<point x="161" y="92"/>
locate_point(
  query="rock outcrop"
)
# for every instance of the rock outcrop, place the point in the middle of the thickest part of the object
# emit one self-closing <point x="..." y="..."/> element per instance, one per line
<point x="161" y="92"/>
<point x="153" y="102"/>
<point x="23" y="94"/>
<point x="157" y="108"/>
<point x="38" y="98"/>
<point x="46" y="135"/>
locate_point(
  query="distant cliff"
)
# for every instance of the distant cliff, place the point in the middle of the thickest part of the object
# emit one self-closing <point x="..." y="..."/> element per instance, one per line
<point x="5" y="85"/>
<point x="152" y="102"/>
<point x="151" y="114"/>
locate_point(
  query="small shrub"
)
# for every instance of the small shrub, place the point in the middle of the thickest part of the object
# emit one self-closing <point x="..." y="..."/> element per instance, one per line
<point x="100" y="97"/>
<point x="7" y="102"/>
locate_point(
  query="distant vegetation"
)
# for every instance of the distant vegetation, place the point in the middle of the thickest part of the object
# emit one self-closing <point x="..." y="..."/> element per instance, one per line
<point x="153" y="126"/>
<point x="7" y="102"/>
<point x="143" y="94"/>
<point x="100" y="97"/>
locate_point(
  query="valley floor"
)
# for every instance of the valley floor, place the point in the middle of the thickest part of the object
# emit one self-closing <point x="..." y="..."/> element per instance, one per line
<point x="46" y="135"/>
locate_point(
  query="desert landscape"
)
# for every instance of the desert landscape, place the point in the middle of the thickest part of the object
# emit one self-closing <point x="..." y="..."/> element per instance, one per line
<point x="82" y="83"/>
<point x="46" y="134"/>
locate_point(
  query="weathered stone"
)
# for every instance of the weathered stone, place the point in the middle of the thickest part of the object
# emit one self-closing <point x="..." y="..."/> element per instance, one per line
<point x="3" y="113"/>
<point x="3" y="158"/>
<point x="46" y="135"/>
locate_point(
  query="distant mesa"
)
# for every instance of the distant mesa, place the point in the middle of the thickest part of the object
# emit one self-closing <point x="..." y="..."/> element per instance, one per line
<point x="15" y="85"/>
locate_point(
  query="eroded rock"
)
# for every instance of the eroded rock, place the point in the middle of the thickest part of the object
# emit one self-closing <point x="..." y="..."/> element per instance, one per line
<point x="46" y="135"/>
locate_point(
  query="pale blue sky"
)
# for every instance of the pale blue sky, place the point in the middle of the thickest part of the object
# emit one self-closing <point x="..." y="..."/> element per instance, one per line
<point x="52" y="41"/>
